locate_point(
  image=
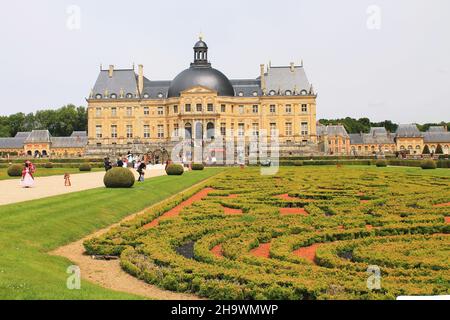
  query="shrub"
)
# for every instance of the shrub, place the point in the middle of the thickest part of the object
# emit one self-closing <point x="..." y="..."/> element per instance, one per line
<point x="298" y="163"/>
<point x="174" y="170"/>
<point x="119" y="178"/>
<point x="48" y="165"/>
<point x="85" y="167"/>
<point x="439" y="149"/>
<point x="428" y="164"/>
<point x="381" y="163"/>
<point x="426" y="150"/>
<point x="15" y="170"/>
<point x="197" y="166"/>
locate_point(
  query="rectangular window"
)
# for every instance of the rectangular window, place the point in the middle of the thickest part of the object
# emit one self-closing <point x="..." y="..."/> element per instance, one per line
<point x="232" y="130"/>
<point x="304" y="128"/>
<point x="241" y="130"/>
<point x="273" y="129"/>
<point x="241" y="109"/>
<point x="223" y="129"/>
<point x="288" y="108"/>
<point x="255" y="129"/>
<point x="176" y="130"/>
<point x="113" y="112"/>
<point x="129" y="131"/>
<point x="288" y="129"/>
<point x="146" y="131"/>
<point x="304" y="108"/>
<point x="223" y="108"/>
<point x="160" y="131"/>
<point x="175" y="109"/>
<point x="199" y="107"/>
<point x="129" y="111"/>
<point x="146" y="111"/>
<point x="98" y="112"/>
<point x="98" y="131"/>
<point x="114" y="131"/>
<point x="210" y="107"/>
<point x="272" y="108"/>
<point x="187" y="108"/>
<point x="255" y="109"/>
<point x="160" y="111"/>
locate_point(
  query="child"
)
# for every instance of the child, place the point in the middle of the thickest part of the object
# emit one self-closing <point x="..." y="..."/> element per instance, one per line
<point x="141" y="171"/>
<point x="67" y="182"/>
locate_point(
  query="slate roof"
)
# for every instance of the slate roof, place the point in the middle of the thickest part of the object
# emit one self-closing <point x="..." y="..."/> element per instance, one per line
<point x="247" y="87"/>
<point x="281" y="79"/>
<point x="333" y="130"/>
<point x="79" y="134"/>
<point x="11" y="143"/>
<point x="408" y="130"/>
<point x="437" y="129"/>
<point x="154" y="88"/>
<point x="69" y="142"/>
<point x="38" y="136"/>
<point x="122" y="79"/>
<point x="356" y="138"/>
<point x="78" y="139"/>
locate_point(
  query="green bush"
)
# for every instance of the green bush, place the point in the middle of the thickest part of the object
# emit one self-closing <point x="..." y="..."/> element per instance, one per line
<point x="428" y="164"/>
<point x="426" y="150"/>
<point x="48" y="165"/>
<point x="439" y="149"/>
<point x="85" y="167"/>
<point x="119" y="178"/>
<point x="174" y="170"/>
<point x="298" y="163"/>
<point x="198" y="166"/>
<point x="381" y="163"/>
<point x="15" y="170"/>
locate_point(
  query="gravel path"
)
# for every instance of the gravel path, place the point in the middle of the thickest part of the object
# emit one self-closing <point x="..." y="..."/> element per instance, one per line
<point x="12" y="192"/>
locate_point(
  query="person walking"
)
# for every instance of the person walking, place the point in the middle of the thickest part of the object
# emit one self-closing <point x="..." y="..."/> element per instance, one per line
<point x="27" y="180"/>
<point x="141" y="171"/>
<point x="67" y="182"/>
<point x="107" y="164"/>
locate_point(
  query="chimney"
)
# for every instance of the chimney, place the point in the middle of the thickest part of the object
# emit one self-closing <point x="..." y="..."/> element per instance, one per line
<point x="292" y="66"/>
<point x="263" y="79"/>
<point x="141" y="78"/>
<point x="111" y="70"/>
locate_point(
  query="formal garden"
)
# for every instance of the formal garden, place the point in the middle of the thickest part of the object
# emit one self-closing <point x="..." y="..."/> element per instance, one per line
<point x="308" y="232"/>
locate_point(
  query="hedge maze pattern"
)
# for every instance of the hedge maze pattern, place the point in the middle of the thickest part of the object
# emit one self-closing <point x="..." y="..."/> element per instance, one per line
<point x="305" y="233"/>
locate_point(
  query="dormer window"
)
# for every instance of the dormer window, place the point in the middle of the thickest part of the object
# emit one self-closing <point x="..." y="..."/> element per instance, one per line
<point x="240" y="94"/>
<point x="113" y="96"/>
<point x="146" y="96"/>
<point x="98" y="96"/>
<point x="129" y="95"/>
<point x="304" y="92"/>
<point x="255" y="93"/>
<point x="272" y="92"/>
<point x="288" y="92"/>
<point x="160" y="95"/>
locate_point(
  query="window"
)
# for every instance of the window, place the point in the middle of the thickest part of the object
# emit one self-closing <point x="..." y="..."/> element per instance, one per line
<point x="210" y="107"/>
<point x="304" y="108"/>
<point x="187" y="108"/>
<point x="160" y="111"/>
<point x="98" y="131"/>
<point x="223" y="108"/>
<point x="146" y="131"/>
<point x="288" y="108"/>
<point x="146" y="111"/>
<point x="199" y="107"/>
<point x="98" y="96"/>
<point x="288" y="128"/>
<point x="160" y="131"/>
<point x="114" y="131"/>
<point x="129" y="95"/>
<point x="113" y="112"/>
<point x="176" y="130"/>
<point x="240" y="94"/>
<point x="129" y="131"/>
<point x="304" y="128"/>
<point x="175" y="109"/>
<point x="241" y="130"/>
<point x="255" y="129"/>
<point x="272" y="92"/>
<point x="255" y="93"/>
<point x="273" y="129"/>
<point x="272" y="108"/>
<point x="255" y="109"/>
<point x="241" y="109"/>
<point x="304" y="92"/>
<point x="288" y="92"/>
<point x="113" y="96"/>
<point x="129" y="111"/>
<point x="146" y="96"/>
<point x="223" y="129"/>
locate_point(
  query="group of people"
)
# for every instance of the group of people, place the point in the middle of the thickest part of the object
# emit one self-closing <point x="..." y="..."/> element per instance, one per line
<point x="139" y="163"/>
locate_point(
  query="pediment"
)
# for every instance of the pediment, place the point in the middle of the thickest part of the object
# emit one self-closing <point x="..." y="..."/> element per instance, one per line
<point x="199" y="90"/>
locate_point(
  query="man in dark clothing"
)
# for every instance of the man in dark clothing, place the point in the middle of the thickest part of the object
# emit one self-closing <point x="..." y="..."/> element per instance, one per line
<point x="141" y="172"/>
<point x="107" y="164"/>
<point x="119" y="163"/>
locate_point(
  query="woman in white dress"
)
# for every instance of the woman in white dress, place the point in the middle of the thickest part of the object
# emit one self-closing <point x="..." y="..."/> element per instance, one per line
<point x="27" y="180"/>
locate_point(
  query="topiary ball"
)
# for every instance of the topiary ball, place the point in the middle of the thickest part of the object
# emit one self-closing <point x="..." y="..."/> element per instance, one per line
<point x="85" y="167"/>
<point x="381" y="163"/>
<point x="428" y="164"/>
<point x="198" y="166"/>
<point x="119" y="178"/>
<point x="15" y="170"/>
<point x="174" y="170"/>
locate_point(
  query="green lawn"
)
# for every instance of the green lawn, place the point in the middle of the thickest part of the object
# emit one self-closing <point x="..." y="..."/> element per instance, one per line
<point x="44" y="172"/>
<point x="30" y="229"/>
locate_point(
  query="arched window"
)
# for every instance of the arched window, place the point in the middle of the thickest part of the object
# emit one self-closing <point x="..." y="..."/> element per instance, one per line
<point x="188" y="130"/>
<point x="129" y="95"/>
<point x="210" y="130"/>
<point x="98" y="96"/>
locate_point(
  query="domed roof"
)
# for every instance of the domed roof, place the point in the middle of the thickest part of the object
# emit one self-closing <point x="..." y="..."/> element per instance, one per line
<point x="201" y="74"/>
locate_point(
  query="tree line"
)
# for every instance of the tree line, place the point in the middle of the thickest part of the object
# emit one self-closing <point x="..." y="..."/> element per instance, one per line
<point x="364" y="124"/>
<point x="60" y="122"/>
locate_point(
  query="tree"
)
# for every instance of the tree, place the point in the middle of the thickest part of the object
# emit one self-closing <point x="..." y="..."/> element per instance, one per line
<point x="426" y="150"/>
<point x="439" y="149"/>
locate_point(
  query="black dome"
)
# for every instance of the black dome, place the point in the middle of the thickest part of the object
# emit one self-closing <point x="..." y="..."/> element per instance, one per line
<point x="201" y="76"/>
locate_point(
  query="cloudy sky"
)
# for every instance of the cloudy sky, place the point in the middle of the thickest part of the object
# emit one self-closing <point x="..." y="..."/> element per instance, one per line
<point x="384" y="59"/>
